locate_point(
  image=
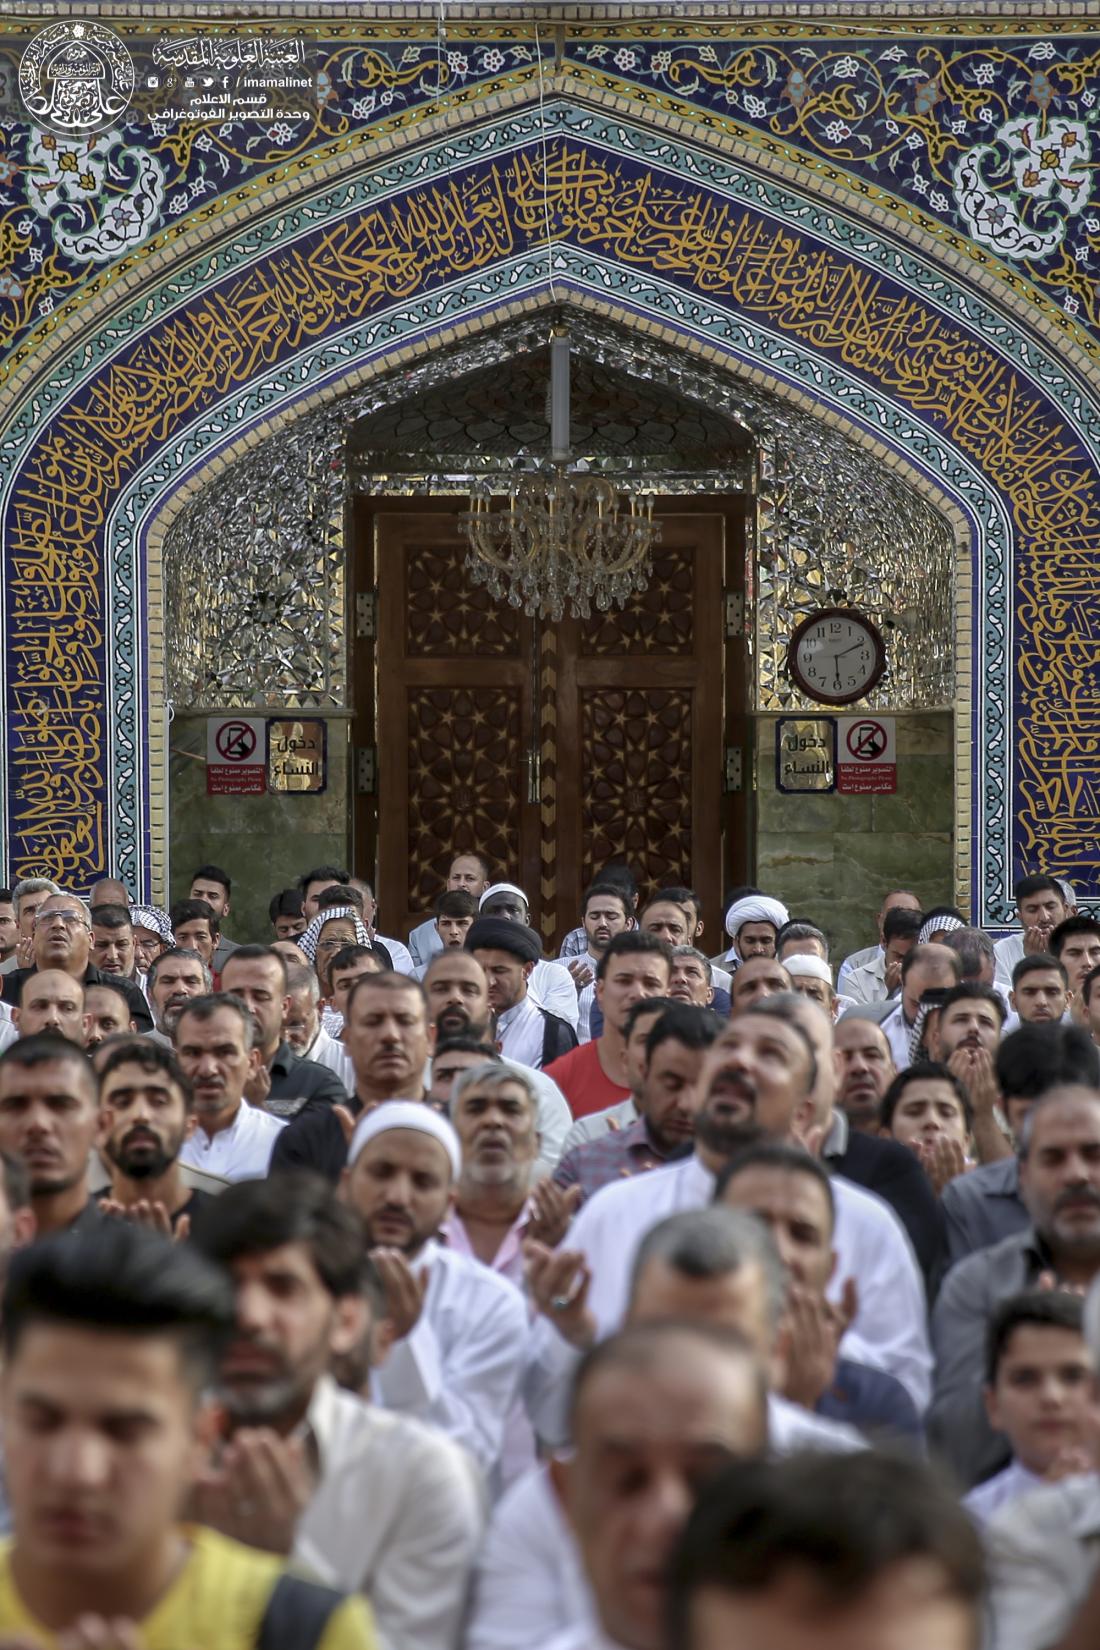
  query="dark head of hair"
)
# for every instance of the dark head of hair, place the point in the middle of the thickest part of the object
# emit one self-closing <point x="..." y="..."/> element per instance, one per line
<point x="921" y="1072"/>
<point x="777" y="1154"/>
<point x="1035" y="1058"/>
<point x="799" y="930"/>
<point x="1032" y="1309"/>
<point x="465" y="1045"/>
<point x="973" y="949"/>
<point x="122" y="1279"/>
<point x="5" y="896"/>
<point x="287" y="903"/>
<point x="111" y="917"/>
<point x="111" y="982"/>
<point x="213" y="873"/>
<point x="192" y="910"/>
<point x="176" y="951"/>
<point x="1025" y="887"/>
<point x="43" y="1049"/>
<point x="253" y="1217"/>
<point x="646" y="1006"/>
<point x="455" y="902"/>
<point x="974" y="991"/>
<point x="472" y="853"/>
<point x="203" y="1009"/>
<point x="349" y="955"/>
<point x="618" y="875"/>
<point x="153" y="1058"/>
<point x="328" y="874"/>
<point x="678" y="894"/>
<point x="919" y="954"/>
<point x="640" y="1344"/>
<point x="1040" y="961"/>
<point x="901" y="924"/>
<point x="387" y="982"/>
<point x="839" y="1523"/>
<point x="1070" y="929"/>
<point x="258" y="953"/>
<point x="17" y="1182"/>
<point x="607" y="890"/>
<point x="684" y="1023"/>
<point x="1087" y="983"/>
<point x="634" y="944"/>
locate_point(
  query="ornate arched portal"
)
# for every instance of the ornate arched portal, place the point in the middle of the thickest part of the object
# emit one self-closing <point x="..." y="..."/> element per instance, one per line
<point x="343" y="279"/>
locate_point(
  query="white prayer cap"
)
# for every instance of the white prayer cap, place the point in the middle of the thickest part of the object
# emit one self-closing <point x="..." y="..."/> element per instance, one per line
<point x="501" y="888"/>
<point x="406" y="1114"/>
<point x="755" y="908"/>
<point x="807" y="965"/>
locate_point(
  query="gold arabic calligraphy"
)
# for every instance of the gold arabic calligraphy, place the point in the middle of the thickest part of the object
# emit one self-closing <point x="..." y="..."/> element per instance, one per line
<point x="651" y="221"/>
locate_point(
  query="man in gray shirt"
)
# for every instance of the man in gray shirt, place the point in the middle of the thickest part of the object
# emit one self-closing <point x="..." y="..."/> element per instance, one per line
<point x="985" y="1206"/>
<point x="1060" y="1185"/>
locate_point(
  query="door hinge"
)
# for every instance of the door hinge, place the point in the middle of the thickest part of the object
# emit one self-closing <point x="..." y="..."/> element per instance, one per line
<point x="735" y="614"/>
<point x="733" y="774"/>
<point x="365" y="770"/>
<point x="366" y="610"/>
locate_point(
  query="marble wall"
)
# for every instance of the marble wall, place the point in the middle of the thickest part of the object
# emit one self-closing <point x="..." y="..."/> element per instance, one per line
<point x="840" y="854"/>
<point x="265" y="842"/>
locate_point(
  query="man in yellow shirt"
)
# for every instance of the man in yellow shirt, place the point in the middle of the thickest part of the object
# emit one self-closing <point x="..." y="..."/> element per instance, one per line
<point x="110" y="1340"/>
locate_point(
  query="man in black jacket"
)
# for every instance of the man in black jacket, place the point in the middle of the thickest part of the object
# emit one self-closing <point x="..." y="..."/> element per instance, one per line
<point x="62" y="939"/>
<point x="257" y="975"/>
<point x="882" y="1166"/>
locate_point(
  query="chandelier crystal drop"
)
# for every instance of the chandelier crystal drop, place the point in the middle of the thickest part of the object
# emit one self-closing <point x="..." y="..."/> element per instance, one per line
<point x="565" y="534"/>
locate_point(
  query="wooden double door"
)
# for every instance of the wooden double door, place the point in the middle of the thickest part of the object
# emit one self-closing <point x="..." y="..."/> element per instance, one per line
<point x="550" y="748"/>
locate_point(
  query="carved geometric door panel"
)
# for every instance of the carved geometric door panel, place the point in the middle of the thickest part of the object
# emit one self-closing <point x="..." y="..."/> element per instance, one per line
<point x="551" y="748"/>
<point x="455" y="708"/>
<point x="643" y="690"/>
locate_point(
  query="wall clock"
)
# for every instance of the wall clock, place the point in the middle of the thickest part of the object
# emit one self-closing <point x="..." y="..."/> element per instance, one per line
<point x="836" y="655"/>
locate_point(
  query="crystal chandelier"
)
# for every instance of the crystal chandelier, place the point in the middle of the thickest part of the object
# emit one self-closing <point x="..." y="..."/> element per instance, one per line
<point x="564" y="535"/>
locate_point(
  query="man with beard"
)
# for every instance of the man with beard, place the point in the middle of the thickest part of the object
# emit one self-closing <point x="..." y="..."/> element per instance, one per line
<point x="639" y="1023"/>
<point x="460" y="1330"/>
<point x="968" y="1030"/>
<point x="62" y="939"/>
<point x="667" y="1105"/>
<point x="51" y="1000"/>
<point x="1060" y="1184"/>
<point x="113" y="941"/>
<point x="146" y="1103"/>
<point x="593" y="1077"/>
<point x="508" y="952"/>
<point x="458" y="1006"/>
<point x="757" y="1080"/>
<point x="375" y="1502"/>
<point x="174" y="978"/>
<point x="49" y="1117"/>
<point x="284" y="1080"/>
<point x="552" y="984"/>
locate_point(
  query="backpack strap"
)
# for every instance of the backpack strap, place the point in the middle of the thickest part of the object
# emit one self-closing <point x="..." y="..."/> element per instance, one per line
<point x="297" y="1614"/>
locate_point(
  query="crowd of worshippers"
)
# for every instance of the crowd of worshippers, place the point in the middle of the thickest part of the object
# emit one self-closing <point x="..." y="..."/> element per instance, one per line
<point x="436" y="1294"/>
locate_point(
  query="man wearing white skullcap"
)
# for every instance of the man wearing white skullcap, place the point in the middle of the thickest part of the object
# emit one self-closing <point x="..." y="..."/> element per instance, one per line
<point x="551" y="984"/>
<point x="752" y="922"/>
<point x="460" y="1330"/>
<point x="813" y="978"/>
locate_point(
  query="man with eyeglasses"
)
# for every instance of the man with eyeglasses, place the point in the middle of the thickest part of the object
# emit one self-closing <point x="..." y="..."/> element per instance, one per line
<point x="62" y="940"/>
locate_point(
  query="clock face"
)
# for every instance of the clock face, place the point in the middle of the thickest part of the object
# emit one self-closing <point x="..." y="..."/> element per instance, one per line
<point x="836" y="656"/>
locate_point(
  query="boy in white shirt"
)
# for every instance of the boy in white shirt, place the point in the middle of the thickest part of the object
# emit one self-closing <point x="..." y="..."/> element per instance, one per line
<point x="1039" y="1393"/>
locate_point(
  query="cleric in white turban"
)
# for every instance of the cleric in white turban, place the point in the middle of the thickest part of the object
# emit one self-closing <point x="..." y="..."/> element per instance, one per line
<point x="762" y="915"/>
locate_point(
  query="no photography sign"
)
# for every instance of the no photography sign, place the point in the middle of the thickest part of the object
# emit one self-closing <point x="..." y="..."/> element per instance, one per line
<point x="236" y="756"/>
<point x="866" y="755"/>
